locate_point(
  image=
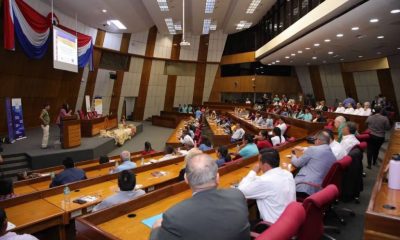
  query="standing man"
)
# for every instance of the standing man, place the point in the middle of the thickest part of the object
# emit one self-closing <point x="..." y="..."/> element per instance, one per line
<point x="45" y="118"/>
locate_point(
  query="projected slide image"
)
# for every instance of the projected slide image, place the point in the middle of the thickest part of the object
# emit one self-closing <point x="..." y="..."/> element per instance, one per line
<point x="65" y="52"/>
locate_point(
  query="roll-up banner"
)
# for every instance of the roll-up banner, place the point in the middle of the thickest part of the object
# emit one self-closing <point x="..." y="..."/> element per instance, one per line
<point x="17" y="119"/>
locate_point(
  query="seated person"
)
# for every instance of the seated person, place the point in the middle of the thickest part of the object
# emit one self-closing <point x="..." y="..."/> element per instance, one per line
<point x="104" y="159"/>
<point x="307" y="116"/>
<point x="340" y="108"/>
<point x="186" y="139"/>
<point x="223" y="156"/>
<point x="127" y="192"/>
<point x="314" y="164"/>
<point x="274" y="189"/>
<point x="282" y="125"/>
<point x="238" y="133"/>
<point x="359" y="110"/>
<point x="169" y="153"/>
<point x="320" y="117"/>
<point x="190" y="154"/>
<point x="277" y="137"/>
<point x="284" y="112"/>
<point x="367" y="109"/>
<point x="269" y="122"/>
<point x="349" y="109"/>
<point x="4" y="235"/>
<point x="322" y="106"/>
<point x="69" y="175"/>
<point x="349" y="139"/>
<point x="6" y="189"/>
<point x="198" y="114"/>
<point x="339" y="125"/>
<point x="336" y="147"/>
<point x="147" y="149"/>
<point x="263" y="140"/>
<point x="248" y="148"/>
<point x="126" y="164"/>
<point x="300" y="114"/>
<point x="259" y="120"/>
<point x="205" y="144"/>
<point x="229" y="221"/>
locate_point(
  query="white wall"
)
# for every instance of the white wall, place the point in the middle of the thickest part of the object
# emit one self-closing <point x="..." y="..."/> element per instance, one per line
<point x="332" y="82"/>
<point x="138" y="42"/>
<point x="367" y="85"/>
<point x="190" y="52"/>
<point x="184" y="90"/>
<point x="156" y="91"/>
<point x="211" y="70"/>
<point x="131" y="82"/>
<point x="163" y="45"/>
<point x="216" y="46"/>
<point x="103" y="88"/>
<point x="394" y="64"/>
<point x="112" y="41"/>
<point x="303" y="74"/>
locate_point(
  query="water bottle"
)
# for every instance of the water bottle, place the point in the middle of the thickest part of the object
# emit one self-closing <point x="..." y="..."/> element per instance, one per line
<point x="52" y="175"/>
<point x="142" y="161"/>
<point x="67" y="195"/>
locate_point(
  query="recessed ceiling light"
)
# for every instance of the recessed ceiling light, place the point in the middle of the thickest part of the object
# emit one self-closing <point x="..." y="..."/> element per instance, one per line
<point x="339" y="35"/>
<point x="379" y="53"/>
<point x="316" y="44"/>
<point x="118" y="24"/>
<point x="243" y="25"/>
<point x="210" y="4"/>
<point x="269" y="64"/>
<point x="252" y="7"/>
<point x="314" y="58"/>
<point x="293" y="54"/>
<point x="342" y="59"/>
<point x="355" y="28"/>
<point x="308" y="63"/>
<point x="374" y="20"/>
<point x="104" y="10"/>
<point x="398" y="48"/>
<point x="299" y="51"/>
<point x="163" y="5"/>
<point x="380" y="37"/>
<point x="273" y="63"/>
<point x="327" y="40"/>
<point x="324" y="61"/>
<point x="360" y="56"/>
<point x="307" y="48"/>
<point x="330" y="53"/>
<point x="394" y="11"/>
<point x="287" y="57"/>
<point x="277" y="61"/>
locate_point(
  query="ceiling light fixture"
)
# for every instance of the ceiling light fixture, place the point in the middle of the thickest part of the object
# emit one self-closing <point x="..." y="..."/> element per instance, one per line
<point x="252" y="7"/>
<point x="243" y="25"/>
<point x="342" y="59"/>
<point x="327" y="40"/>
<point x="374" y="20"/>
<point x="178" y="26"/>
<point x="117" y="24"/>
<point x="380" y="37"/>
<point x="287" y="57"/>
<point x="163" y="5"/>
<point x="360" y="56"/>
<point x="307" y="48"/>
<point x="330" y="53"/>
<point x="379" y="53"/>
<point x="277" y="61"/>
<point x="394" y="11"/>
<point x="314" y="58"/>
<point x="183" y="42"/>
<point x="339" y="35"/>
<point x="316" y="44"/>
<point x="293" y="54"/>
<point x="210" y="4"/>
<point x="170" y="25"/>
<point x="355" y="28"/>
<point x="104" y="10"/>
<point x="206" y="25"/>
<point x="299" y="51"/>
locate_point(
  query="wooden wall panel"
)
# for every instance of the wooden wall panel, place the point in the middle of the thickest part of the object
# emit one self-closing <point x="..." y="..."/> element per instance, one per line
<point x="349" y="85"/>
<point x="316" y="82"/>
<point x="140" y="103"/>
<point x="200" y="70"/>
<point x="36" y="82"/>
<point x="367" y="65"/>
<point x="116" y="93"/>
<point x="91" y="79"/>
<point x="387" y="87"/>
<point x="238" y="58"/>
<point x="171" y="81"/>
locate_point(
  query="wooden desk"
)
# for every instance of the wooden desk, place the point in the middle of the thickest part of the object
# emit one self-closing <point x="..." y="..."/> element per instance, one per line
<point x="360" y="120"/>
<point x="247" y="124"/>
<point x="173" y="139"/>
<point x="219" y="136"/>
<point x="24" y="190"/>
<point x="113" y="223"/>
<point x="92" y="127"/>
<point x="382" y="223"/>
<point x="34" y="216"/>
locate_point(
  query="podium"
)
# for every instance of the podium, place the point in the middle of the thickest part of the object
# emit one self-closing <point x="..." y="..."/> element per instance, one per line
<point x="71" y="128"/>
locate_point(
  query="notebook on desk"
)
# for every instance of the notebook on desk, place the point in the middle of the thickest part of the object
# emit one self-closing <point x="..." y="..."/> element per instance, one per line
<point x="151" y="220"/>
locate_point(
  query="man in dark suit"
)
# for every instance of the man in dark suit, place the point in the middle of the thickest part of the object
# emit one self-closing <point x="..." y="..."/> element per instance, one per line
<point x="69" y="175"/>
<point x="210" y="213"/>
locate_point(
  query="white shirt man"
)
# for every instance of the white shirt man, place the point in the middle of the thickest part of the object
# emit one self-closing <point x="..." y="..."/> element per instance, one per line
<point x="366" y="109"/>
<point x="273" y="190"/>
<point x="259" y="120"/>
<point x="337" y="150"/>
<point x="187" y="140"/>
<point x="349" y="110"/>
<point x="340" y="109"/>
<point x="238" y="134"/>
<point x="359" y="111"/>
<point x="349" y="140"/>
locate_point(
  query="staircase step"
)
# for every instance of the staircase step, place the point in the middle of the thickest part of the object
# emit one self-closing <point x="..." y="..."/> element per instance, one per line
<point x="15" y="158"/>
<point x="14" y="165"/>
<point x="14" y="172"/>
